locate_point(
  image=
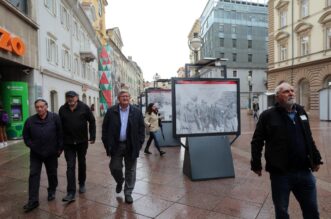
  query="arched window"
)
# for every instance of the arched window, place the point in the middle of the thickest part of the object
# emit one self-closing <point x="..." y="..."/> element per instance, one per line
<point x="53" y="101"/>
<point x="327" y="81"/>
<point x="304" y="94"/>
<point x="84" y="98"/>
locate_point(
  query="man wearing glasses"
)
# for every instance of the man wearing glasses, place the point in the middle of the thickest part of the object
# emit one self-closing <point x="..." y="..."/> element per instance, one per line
<point x="123" y="133"/>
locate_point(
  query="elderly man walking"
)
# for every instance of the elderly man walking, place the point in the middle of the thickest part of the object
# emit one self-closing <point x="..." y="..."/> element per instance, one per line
<point x="123" y="133"/>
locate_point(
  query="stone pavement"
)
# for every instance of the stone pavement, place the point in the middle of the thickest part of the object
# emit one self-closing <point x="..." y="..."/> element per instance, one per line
<point x="162" y="190"/>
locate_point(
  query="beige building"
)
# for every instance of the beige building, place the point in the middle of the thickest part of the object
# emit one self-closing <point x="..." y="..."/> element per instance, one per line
<point x="300" y="48"/>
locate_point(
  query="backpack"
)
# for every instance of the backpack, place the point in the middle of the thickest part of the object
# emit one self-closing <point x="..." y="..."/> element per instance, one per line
<point x="4" y="118"/>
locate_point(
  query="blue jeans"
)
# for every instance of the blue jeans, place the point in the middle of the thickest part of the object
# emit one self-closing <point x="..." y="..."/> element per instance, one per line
<point x="303" y="185"/>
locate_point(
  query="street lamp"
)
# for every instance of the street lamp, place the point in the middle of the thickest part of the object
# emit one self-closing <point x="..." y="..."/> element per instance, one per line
<point x="195" y="45"/>
<point x="156" y="77"/>
<point x="249" y="80"/>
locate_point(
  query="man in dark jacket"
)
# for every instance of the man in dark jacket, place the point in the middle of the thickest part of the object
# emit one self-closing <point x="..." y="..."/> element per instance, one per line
<point x="74" y="116"/>
<point x="290" y="152"/>
<point x="123" y="133"/>
<point x="42" y="133"/>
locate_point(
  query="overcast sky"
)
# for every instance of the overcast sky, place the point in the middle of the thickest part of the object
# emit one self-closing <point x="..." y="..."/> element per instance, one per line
<point x="154" y="32"/>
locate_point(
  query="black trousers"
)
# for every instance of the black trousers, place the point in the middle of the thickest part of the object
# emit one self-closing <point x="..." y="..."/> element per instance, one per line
<point x="70" y="153"/>
<point x="116" y="168"/>
<point x="36" y="162"/>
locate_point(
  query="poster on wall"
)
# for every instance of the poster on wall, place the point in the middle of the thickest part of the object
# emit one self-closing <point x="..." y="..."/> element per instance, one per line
<point x="162" y="99"/>
<point x="205" y="106"/>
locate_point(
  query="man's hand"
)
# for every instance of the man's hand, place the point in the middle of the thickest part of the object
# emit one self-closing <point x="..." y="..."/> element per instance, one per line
<point x="92" y="141"/>
<point x="258" y="172"/>
<point x="315" y="168"/>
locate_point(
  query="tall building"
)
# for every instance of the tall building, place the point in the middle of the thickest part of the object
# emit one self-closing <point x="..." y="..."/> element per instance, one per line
<point x="237" y="31"/>
<point x="300" y="48"/>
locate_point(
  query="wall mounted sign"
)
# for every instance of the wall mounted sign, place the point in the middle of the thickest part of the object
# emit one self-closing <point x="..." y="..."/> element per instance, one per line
<point x="12" y="44"/>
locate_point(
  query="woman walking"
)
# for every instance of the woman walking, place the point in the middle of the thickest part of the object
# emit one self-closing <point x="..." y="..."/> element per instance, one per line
<point x="152" y="125"/>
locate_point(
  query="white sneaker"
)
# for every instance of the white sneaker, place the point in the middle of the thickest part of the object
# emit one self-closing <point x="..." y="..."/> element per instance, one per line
<point x="2" y="145"/>
<point x="5" y="144"/>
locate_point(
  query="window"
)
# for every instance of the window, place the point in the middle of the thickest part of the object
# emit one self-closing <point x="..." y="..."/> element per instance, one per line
<point x="233" y="29"/>
<point x="100" y="7"/>
<point x="222" y="73"/>
<point x="75" y="30"/>
<point x="83" y="68"/>
<point x="66" y="64"/>
<point x="249" y="30"/>
<point x="304" y="8"/>
<point x="282" y="52"/>
<point x="304" y="45"/>
<point x="64" y="15"/>
<point x="51" y="50"/>
<point x="76" y="65"/>
<point x="250" y="73"/>
<point x="221" y="28"/>
<point x="234" y="43"/>
<point x="234" y="57"/>
<point x="283" y="18"/>
<point x="51" y="6"/>
<point x="249" y="44"/>
<point x="234" y="73"/>
<point x="328" y="38"/>
<point x="221" y="42"/>
<point x="222" y="55"/>
<point x="250" y="57"/>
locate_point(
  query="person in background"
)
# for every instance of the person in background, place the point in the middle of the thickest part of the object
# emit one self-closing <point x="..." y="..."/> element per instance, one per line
<point x="290" y="152"/>
<point x="75" y="115"/>
<point x="256" y="109"/>
<point x="123" y="134"/>
<point x="152" y="124"/>
<point x="4" y="119"/>
<point x="42" y="133"/>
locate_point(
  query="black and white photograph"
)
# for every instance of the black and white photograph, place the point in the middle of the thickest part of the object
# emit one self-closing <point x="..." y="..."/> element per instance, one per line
<point x="206" y="106"/>
<point x="162" y="99"/>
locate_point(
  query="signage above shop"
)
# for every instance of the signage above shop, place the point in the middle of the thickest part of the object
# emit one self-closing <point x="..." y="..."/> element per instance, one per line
<point x="12" y="44"/>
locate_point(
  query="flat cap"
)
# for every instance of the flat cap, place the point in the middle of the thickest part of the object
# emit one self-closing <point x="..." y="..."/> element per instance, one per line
<point x="71" y="93"/>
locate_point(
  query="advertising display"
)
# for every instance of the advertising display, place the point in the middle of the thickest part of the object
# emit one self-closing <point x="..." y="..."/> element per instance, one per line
<point x="205" y="106"/>
<point x="162" y="99"/>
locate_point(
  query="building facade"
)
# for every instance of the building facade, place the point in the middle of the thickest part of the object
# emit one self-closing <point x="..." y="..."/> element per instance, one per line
<point x="300" y="48"/>
<point x="236" y="31"/>
<point x="124" y="72"/>
<point x="67" y="54"/>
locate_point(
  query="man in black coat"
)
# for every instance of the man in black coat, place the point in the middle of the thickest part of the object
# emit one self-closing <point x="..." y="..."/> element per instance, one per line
<point x="74" y="116"/>
<point x="42" y="133"/>
<point x="123" y="133"/>
<point x="290" y="152"/>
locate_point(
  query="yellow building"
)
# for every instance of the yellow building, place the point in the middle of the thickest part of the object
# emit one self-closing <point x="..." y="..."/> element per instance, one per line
<point x="300" y="48"/>
<point x="95" y="10"/>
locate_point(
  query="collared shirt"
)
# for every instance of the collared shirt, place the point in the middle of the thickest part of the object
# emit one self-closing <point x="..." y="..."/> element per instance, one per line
<point x="124" y="113"/>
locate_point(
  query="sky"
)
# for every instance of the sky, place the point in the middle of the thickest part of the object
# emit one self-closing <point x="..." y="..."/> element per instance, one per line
<point x="155" y="32"/>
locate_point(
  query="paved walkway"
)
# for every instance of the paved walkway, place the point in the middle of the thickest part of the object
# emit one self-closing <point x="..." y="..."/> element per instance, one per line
<point x="162" y="190"/>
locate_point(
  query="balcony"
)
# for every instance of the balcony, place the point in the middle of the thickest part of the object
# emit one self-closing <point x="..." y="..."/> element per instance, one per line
<point x="88" y="52"/>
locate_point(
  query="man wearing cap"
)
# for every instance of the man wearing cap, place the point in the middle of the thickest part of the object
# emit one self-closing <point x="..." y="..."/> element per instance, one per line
<point x="123" y="133"/>
<point x="74" y="116"/>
